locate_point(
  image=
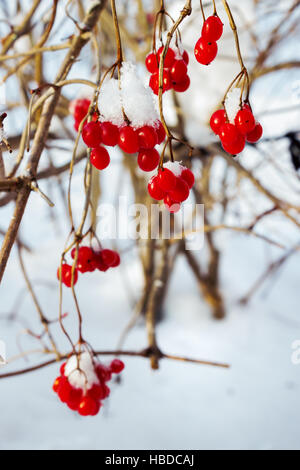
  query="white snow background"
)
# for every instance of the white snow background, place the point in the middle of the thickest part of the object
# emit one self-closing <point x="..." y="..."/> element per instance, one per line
<point x="255" y="404"/>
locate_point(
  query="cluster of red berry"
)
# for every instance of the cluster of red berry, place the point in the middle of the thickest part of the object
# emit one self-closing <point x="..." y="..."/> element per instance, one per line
<point x="130" y="140"/>
<point x="88" y="261"/>
<point x="175" y="74"/>
<point x="206" y="48"/>
<point x="172" y="184"/>
<point x="87" y="401"/>
<point x="234" y="135"/>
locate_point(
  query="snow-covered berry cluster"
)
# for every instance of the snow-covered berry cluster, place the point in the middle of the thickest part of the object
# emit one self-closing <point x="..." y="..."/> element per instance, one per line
<point x="206" y="48"/>
<point x="236" y="124"/>
<point x="175" y="74"/>
<point x="82" y="383"/>
<point x="172" y="184"/>
<point x="88" y="260"/>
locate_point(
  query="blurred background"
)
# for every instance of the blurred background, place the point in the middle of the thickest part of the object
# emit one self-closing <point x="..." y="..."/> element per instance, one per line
<point x="236" y="300"/>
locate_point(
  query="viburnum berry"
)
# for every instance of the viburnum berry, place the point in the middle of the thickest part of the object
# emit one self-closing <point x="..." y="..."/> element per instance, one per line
<point x="161" y="133"/>
<point x="186" y="57"/>
<point x="65" y="275"/>
<point x="104" y="373"/>
<point x="255" y="135"/>
<point x="188" y="176"/>
<point x="235" y="147"/>
<point x="228" y="133"/>
<point x="100" y="158"/>
<point x="109" y="257"/>
<point x="171" y="205"/>
<point x="100" y="265"/>
<point x="182" y="86"/>
<point x="205" y="51"/>
<point x="86" y="259"/>
<point x="148" y="160"/>
<point x="154" y="81"/>
<point x="62" y="369"/>
<point x="167" y="180"/>
<point x="155" y="190"/>
<point x="109" y="134"/>
<point x="181" y="191"/>
<point x="217" y="120"/>
<point x="245" y="121"/>
<point x="81" y="109"/>
<point x="152" y="63"/>
<point x="147" y="137"/>
<point x="117" y="366"/>
<point x="212" y="28"/>
<point x="178" y="71"/>
<point x="128" y="140"/>
<point x="169" y="59"/>
<point x="91" y="134"/>
<point x="57" y="384"/>
<point x="88" y="407"/>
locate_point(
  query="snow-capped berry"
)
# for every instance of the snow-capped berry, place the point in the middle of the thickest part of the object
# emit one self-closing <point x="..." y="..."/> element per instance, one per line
<point x="117" y="366"/>
<point x="152" y="63"/>
<point x="91" y="134"/>
<point x="235" y="147"/>
<point x="181" y="191"/>
<point x="245" y="121"/>
<point x="154" y="82"/>
<point x="147" y="137"/>
<point x="128" y="140"/>
<point x="167" y="180"/>
<point x="255" y="135"/>
<point x="108" y="257"/>
<point x="171" y="205"/>
<point x="148" y="160"/>
<point x="212" y="28"/>
<point x="181" y="87"/>
<point x="109" y="134"/>
<point x="100" y="158"/>
<point x="217" y="120"/>
<point x="188" y="176"/>
<point x="178" y="71"/>
<point x="161" y="133"/>
<point x="88" y="407"/>
<point x="228" y="133"/>
<point x="65" y="275"/>
<point x="155" y="190"/>
<point x="170" y="56"/>
<point x="205" y="52"/>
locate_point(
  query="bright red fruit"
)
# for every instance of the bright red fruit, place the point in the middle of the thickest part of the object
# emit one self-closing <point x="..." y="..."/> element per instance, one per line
<point x="128" y="140"/>
<point x="167" y="180"/>
<point x="236" y="147"/>
<point x="255" y="135"/>
<point x="181" y="191"/>
<point x="212" y="29"/>
<point x="64" y="390"/>
<point x="65" y="275"/>
<point x="148" y="160"/>
<point x="228" y="133"/>
<point x="217" y="120"/>
<point x="100" y="265"/>
<point x="178" y="71"/>
<point x="154" y="82"/>
<point x="81" y="109"/>
<point x="155" y="190"/>
<point x="152" y="63"/>
<point x="62" y="368"/>
<point x="186" y="57"/>
<point x="161" y="133"/>
<point x="56" y="384"/>
<point x="147" y="137"/>
<point x="96" y="392"/>
<point x="182" y="86"/>
<point x="245" y="121"/>
<point x="117" y="261"/>
<point x="108" y="257"/>
<point x="117" y="366"/>
<point x="88" y="407"/>
<point x="169" y="59"/>
<point x="103" y="373"/>
<point x="172" y="206"/>
<point x="86" y="261"/>
<point x="205" y="52"/>
<point x="109" y="134"/>
<point x="100" y="158"/>
<point x="188" y="176"/>
<point x="91" y="134"/>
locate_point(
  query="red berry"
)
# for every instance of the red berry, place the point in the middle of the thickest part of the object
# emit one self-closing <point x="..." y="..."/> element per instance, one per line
<point x="128" y="140"/>
<point x="155" y="190"/>
<point x="152" y="63"/>
<point x="106" y="391"/>
<point x="96" y="392"/>
<point x="100" y="158"/>
<point x="228" y="133"/>
<point x="109" y="134"/>
<point x="167" y="180"/>
<point x="117" y="261"/>
<point x="255" y="135"/>
<point x="103" y="373"/>
<point x="188" y="176"/>
<point x="117" y="366"/>
<point x="181" y="191"/>
<point x="99" y="263"/>
<point x="236" y="147"/>
<point x="169" y="59"/>
<point x="91" y="134"/>
<point x="62" y="368"/>
<point x="75" y="397"/>
<point x="65" y="275"/>
<point x="212" y="29"/>
<point x="148" y="160"/>
<point x="108" y="257"/>
<point x="217" y="120"/>
<point x="205" y="52"/>
<point x="86" y="259"/>
<point x="64" y="390"/>
<point x="154" y="81"/>
<point x="186" y="57"/>
<point x="88" y="407"/>
<point x="161" y="133"/>
<point x="57" y="384"/>
<point x="147" y="137"/>
<point x="81" y="109"/>
<point x="178" y="71"/>
<point x="245" y="121"/>
<point x="172" y="206"/>
<point x="182" y="86"/>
